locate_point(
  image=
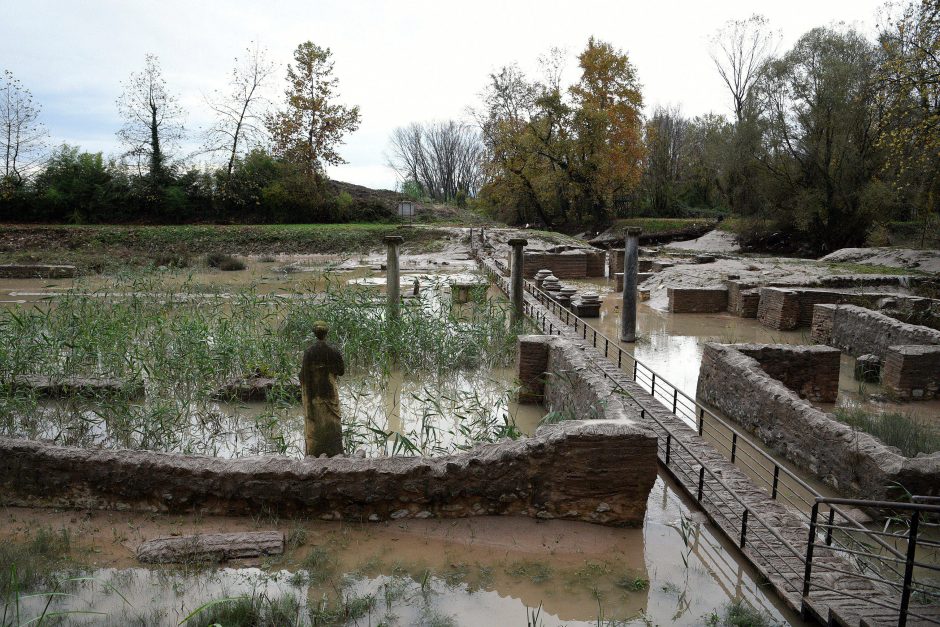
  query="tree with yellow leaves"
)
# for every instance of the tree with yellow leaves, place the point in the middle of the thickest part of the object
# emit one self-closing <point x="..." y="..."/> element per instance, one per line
<point x="307" y="131"/>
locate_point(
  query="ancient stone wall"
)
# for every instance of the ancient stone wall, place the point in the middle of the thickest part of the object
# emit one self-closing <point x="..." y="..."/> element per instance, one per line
<point x="852" y="461"/>
<point x="595" y="471"/>
<point x="810" y="371"/>
<point x="531" y="365"/>
<point x="570" y="264"/>
<point x="786" y="309"/>
<point x="912" y="372"/>
<point x="594" y="263"/>
<point x="743" y="298"/>
<point x="697" y="299"/>
<point x="859" y="331"/>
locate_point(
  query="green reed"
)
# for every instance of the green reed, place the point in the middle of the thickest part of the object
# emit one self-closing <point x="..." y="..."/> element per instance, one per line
<point x="183" y="342"/>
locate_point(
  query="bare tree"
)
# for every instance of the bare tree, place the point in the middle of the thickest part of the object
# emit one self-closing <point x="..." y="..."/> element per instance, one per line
<point x="153" y="120"/>
<point x="740" y="50"/>
<point x="22" y="136"/>
<point x="239" y="123"/>
<point x="445" y="158"/>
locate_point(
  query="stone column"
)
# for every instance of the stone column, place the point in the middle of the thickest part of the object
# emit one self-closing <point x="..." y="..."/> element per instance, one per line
<point x="392" y="279"/>
<point x="630" y="263"/>
<point x="515" y="277"/>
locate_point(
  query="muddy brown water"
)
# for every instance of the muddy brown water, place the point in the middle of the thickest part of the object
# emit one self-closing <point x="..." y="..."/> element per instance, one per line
<point x="481" y="571"/>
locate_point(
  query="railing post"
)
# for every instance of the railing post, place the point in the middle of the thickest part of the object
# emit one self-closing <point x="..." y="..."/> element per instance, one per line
<point x="773" y="491"/>
<point x="807" y="573"/>
<point x="675" y="399"/>
<point x="668" y="446"/>
<point x="634" y="368"/>
<point x="653" y="386"/>
<point x="594" y="341"/>
<point x="734" y="445"/>
<point x="606" y="342"/>
<point x="619" y="357"/>
<point x="744" y="527"/>
<point x="701" y="482"/>
<point x="908" y="568"/>
<point x="832" y="520"/>
<point x="701" y="420"/>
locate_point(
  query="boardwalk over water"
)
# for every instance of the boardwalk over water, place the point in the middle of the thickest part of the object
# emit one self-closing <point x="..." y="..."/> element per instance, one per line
<point x="765" y="512"/>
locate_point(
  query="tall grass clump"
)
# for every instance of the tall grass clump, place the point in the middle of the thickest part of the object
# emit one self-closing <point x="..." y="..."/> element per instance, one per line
<point x="906" y="432"/>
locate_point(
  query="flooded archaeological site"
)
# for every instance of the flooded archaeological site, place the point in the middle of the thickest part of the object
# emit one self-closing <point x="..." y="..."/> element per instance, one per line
<point x="204" y="362"/>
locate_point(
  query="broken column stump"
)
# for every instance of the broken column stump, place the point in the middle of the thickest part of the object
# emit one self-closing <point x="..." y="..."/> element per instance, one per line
<point x="210" y="547"/>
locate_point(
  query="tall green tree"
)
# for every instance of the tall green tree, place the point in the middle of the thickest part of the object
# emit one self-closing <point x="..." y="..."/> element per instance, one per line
<point x="820" y="130"/>
<point x="909" y="80"/>
<point x="310" y="127"/>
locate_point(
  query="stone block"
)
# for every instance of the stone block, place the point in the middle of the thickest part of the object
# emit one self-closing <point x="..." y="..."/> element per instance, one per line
<point x="912" y="372"/>
<point x="697" y="299"/>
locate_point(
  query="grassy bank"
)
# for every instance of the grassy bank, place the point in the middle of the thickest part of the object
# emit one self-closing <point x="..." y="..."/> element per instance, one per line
<point x="665" y="226"/>
<point x="105" y="247"/>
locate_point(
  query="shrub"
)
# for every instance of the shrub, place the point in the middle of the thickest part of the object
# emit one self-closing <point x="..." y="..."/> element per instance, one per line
<point x="224" y="262"/>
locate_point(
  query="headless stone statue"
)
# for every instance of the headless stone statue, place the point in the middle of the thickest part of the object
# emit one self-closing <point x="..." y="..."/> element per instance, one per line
<point x="322" y="363"/>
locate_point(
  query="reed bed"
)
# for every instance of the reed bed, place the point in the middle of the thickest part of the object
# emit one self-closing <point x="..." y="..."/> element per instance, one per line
<point x="181" y="344"/>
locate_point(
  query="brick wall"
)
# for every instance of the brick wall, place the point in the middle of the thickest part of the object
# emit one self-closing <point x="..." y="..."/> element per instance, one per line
<point x="778" y="308"/>
<point x="566" y="265"/>
<point x="531" y="364"/>
<point x="912" y="372"/>
<point x="859" y="331"/>
<point x="853" y="462"/>
<point x="594" y="264"/>
<point x="698" y="299"/>
<point x="810" y="371"/>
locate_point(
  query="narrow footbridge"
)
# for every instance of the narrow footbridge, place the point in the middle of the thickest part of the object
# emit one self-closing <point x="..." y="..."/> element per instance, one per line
<point x="819" y="558"/>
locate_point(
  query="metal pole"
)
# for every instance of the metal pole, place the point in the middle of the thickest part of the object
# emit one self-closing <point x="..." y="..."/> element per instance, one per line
<point x="392" y="279"/>
<point x="515" y="277"/>
<point x="631" y="241"/>
<point x="808" y="572"/>
<point x="909" y="568"/>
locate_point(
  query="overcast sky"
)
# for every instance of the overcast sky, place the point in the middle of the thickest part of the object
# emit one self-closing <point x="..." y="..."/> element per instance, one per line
<point x="399" y="61"/>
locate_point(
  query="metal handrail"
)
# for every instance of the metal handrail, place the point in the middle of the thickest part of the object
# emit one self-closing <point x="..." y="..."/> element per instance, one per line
<point x="918" y="506"/>
<point x="698" y="422"/>
<point x="546" y="300"/>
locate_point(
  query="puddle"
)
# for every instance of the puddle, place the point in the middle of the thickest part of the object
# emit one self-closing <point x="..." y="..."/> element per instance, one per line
<point x="484" y="571"/>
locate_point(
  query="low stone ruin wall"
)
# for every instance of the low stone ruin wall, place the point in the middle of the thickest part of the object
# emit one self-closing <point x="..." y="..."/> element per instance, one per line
<point x="860" y="331"/>
<point x="810" y="371"/>
<point x="568" y="264"/>
<point x="786" y="309"/>
<point x="36" y="271"/>
<point x="852" y="461"/>
<point x="912" y="372"/>
<point x="577" y="470"/>
<point x="743" y="298"/>
<point x="697" y="299"/>
<point x="556" y="372"/>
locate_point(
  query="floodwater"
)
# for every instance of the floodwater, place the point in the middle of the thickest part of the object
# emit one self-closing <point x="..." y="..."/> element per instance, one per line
<point x="672" y="344"/>
<point x="676" y="570"/>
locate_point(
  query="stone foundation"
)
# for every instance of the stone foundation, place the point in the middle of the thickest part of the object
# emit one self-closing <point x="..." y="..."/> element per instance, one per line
<point x="743" y="299"/>
<point x="810" y="371"/>
<point x="697" y="299"/>
<point x="567" y="264"/>
<point x="859" y="331"/>
<point x="852" y="461"/>
<point x="594" y="471"/>
<point x="36" y="271"/>
<point x="912" y="372"/>
<point x="786" y="309"/>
